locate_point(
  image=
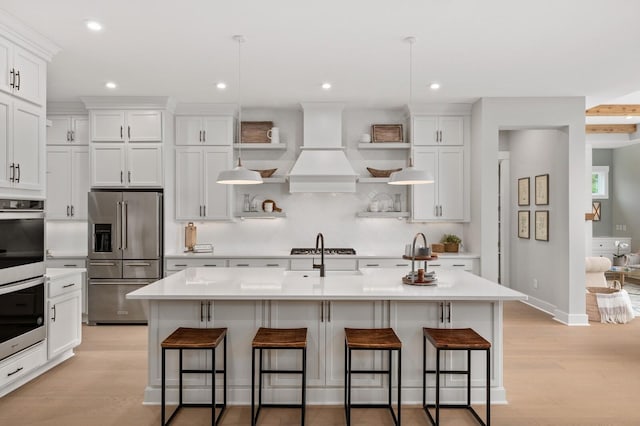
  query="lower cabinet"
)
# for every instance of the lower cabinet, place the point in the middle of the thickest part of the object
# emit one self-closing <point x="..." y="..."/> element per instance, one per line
<point x="74" y="262"/>
<point x="64" y="319"/>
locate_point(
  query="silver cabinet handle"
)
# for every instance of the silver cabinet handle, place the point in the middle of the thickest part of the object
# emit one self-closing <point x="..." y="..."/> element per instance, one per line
<point x="73" y="135"/>
<point x="121" y="135"/>
<point x="181" y="264"/>
<point x="102" y="264"/>
<point x="449" y="316"/>
<point x="200" y="136"/>
<point x="402" y="264"/>
<point x="322" y="311"/>
<point x="53" y="318"/>
<point x="201" y="312"/>
<point x="204" y="211"/>
<point x="68" y="285"/>
<point x="18" y="80"/>
<point x="242" y="264"/>
<point x="12" y="172"/>
<point x="72" y="211"/>
<point x="12" y="81"/>
<point x="329" y="311"/>
<point x="128" y="132"/>
<point x="121" y="176"/>
<point x="129" y="176"/>
<point x="273" y="265"/>
<point x="436" y="264"/>
<point x="68" y="211"/>
<point x="204" y="136"/>
<point x="70" y="265"/>
<point x="17" y="168"/>
<point x="68" y="136"/>
<point x="212" y="265"/>
<point x="372" y="264"/>
<point x="459" y="264"/>
<point x="209" y="311"/>
<point x="138" y="264"/>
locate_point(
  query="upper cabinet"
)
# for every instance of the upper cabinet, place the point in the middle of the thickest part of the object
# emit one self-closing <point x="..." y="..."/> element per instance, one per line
<point x="67" y="182"/>
<point x="126" y="126"/>
<point x="204" y="130"/>
<point x="22" y="73"/>
<point x="438" y="130"/>
<point x="68" y="129"/>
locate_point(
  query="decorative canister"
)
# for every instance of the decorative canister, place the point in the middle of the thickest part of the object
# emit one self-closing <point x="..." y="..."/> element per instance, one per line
<point x="190" y="236"/>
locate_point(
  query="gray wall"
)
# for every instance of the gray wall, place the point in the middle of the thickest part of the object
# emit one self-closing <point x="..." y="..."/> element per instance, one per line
<point x="604" y="228"/>
<point x="626" y="202"/>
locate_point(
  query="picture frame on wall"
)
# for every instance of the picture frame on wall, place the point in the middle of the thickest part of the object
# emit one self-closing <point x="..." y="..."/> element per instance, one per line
<point x="523" y="191"/>
<point x="596" y="209"/>
<point x="542" y="225"/>
<point x="523" y="224"/>
<point x="542" y="190"/>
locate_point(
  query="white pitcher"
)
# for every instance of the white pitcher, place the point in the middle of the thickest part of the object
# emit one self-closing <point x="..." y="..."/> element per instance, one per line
<point x="274" y="135"/>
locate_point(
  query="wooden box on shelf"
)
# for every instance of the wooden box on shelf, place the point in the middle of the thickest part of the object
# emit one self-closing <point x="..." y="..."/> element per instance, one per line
<point x="255" y="131"/>
<point x="387" y="133"/>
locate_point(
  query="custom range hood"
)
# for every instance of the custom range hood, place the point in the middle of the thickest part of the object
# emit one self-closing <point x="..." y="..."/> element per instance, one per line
<point x="322" y="165"/>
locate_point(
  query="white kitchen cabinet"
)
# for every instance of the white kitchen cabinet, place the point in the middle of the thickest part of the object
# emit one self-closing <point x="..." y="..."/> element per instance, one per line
<point x="68" y="129"/>
<point x="67" y="182"/>
<point x="198" y="196"/>
<point x="73" y="262"/>
<point x="64" y="320"/>
<point x="126" y="126"/>
<point x="206" y="314"/>
<point x="384" y="263"/>
<point x="466" y="264"/>
<point x="446" y="199"/>
<point x="259" y="263"/>
<point x="331" y="264"/>
<point x="325" y="322"/>
<point x="21" y="365"/>
<point x="115" y="165"/>
<point x="21" y="145"/>
<point x="22" y="74"/>
<point x="176" y="264"/>
<point x="204" y="130"/>
<point x="437" y="130"/>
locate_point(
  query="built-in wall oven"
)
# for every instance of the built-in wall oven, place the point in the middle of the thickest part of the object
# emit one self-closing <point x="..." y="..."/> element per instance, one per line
<point x="22" y="270"/>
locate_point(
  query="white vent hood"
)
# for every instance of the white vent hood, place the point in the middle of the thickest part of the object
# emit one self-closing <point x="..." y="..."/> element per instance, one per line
<point x="322" y="165"/>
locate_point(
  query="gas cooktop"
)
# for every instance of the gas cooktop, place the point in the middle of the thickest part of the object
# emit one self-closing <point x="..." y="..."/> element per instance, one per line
<point x="327" y="251"/>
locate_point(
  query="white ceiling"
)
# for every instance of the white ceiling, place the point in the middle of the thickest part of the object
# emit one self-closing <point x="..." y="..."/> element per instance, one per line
<point x="473" y="48"/>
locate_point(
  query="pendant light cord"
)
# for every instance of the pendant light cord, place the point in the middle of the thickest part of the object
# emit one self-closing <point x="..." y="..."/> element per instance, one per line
<point x="411" y="40"/>
<point x="240" y="39"/>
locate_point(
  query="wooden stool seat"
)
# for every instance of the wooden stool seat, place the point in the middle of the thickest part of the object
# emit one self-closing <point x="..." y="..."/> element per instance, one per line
<point x="456" y="338"/>
<point x="372" y="338"/>
<point x="280" y="338"/>
<point x="194" y="338"/>
<point x="198" y="339"/>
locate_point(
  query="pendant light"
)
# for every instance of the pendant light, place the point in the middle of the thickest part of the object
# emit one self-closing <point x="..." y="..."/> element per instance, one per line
<point x="239" y="175"/>
<point x="410" y="175"/>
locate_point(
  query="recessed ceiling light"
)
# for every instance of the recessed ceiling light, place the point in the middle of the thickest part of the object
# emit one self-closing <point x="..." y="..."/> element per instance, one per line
<point x="94" y="25"/>
<point x="326" y="86"/>
<point x="110" y="85"/>
<point x="434" y="86"/>
<point x="222" y="85"/>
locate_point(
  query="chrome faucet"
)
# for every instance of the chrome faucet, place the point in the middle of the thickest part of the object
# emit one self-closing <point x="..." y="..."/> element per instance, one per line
<point x="320" y="239"/>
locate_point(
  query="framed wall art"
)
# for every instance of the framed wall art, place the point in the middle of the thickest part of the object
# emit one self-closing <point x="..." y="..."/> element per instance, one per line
<point x="523" y="191"/>
<point x="542" y="190"/>
<point x="596" y="209"/>
<point x="523" y="224"/>
<point x="542" y="225"/>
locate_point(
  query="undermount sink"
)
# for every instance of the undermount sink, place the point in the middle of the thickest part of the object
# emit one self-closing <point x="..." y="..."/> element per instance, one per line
<point x="316" y="274"/>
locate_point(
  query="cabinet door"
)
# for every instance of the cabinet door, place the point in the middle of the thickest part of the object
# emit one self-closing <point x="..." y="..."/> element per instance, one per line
<point x="58" y="182"/>
<point x="80" y="130"/>
<point x="107" y="126"/>
<point x="217" y="197"/>
<point x="5" y="137"/>
<point x="298" y="314"/>
<point x="425" y="130"/>
<point x="217" y="130"/>
<point x="6" y="65"/>
<point x="341" y="314"/>
<point x="189" y="183"/>
<point x="424" y="197"/>
<point x="64" y="323"/>
<point x="144" y="126"/>
<point x="188" y="130"/>
<point x="59" y="131"/>
<point x="144" y="165"/>
<point x="31" y="77"/>
<point x="407" y="319"/>
<point x="450" y="182"/>
<point x="451" y="130"/>
<point x="107" y="165"/>
<point x="28" y="137"/>
<point x="79" y="182"/>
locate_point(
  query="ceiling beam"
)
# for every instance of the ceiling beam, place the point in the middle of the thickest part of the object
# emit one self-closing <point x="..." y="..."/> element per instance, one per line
<point x="610" y="110"/>
<point x="611" y="128"/>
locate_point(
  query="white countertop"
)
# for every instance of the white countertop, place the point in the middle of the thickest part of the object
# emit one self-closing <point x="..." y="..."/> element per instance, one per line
<point x="278" y="284"/>
<point x="54" y="273"/>
<point x="279" y="254"/>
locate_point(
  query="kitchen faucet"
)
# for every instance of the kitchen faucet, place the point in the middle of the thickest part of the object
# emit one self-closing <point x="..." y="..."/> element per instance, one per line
<point x="320" y="239"/>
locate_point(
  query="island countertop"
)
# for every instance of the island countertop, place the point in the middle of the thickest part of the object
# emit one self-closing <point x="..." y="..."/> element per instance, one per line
<point x="279" y="284"/>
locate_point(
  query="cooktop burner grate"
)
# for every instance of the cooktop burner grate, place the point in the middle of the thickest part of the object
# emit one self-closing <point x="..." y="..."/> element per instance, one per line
<point x="327" y="251"/>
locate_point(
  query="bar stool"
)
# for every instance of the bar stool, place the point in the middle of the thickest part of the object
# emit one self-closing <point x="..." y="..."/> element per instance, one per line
<point x="200" y="339"/>
<point x="278" y="338"/>
<point x="383" y="339"/>
<point x="454" y="339"/>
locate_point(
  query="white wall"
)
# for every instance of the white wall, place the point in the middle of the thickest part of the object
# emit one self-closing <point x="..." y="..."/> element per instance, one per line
<point x="490" y="115"/>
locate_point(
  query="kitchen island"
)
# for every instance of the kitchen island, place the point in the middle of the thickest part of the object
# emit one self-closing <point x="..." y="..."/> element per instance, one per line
<point x="244" y="299"/>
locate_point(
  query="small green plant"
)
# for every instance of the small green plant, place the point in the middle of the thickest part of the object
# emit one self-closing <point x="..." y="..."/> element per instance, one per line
<point x="450" y="238"/>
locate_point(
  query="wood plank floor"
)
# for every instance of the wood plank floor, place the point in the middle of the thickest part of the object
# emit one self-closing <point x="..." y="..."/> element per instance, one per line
<point x="554" y="375"/>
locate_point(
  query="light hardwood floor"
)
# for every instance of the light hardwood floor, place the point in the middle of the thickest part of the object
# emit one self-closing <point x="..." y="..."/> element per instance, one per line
<point x="554" y="375"/>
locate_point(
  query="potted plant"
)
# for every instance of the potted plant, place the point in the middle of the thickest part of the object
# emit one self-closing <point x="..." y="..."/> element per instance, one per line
<point x="620" y="259"/>
<point x="451" y="243"/>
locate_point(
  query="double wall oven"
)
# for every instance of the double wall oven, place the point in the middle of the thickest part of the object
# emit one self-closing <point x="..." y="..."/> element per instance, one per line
<point x="22" y="303"/>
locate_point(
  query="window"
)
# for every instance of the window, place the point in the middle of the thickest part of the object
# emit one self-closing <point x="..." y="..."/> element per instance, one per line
<point x="600" y="182"/>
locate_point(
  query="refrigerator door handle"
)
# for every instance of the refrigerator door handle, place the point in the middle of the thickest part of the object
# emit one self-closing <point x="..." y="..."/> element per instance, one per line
<point x="125" y="225"/>
<point x="119" y="224"/>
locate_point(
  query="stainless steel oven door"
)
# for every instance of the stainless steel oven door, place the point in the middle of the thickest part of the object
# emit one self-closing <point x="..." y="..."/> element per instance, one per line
<point x="22" y="322"/>
<point x="21" y="246"/>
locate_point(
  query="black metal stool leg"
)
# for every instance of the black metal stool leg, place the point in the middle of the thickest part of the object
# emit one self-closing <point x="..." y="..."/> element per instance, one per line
<point x="488" y="355"/>
<point x="213" y="387"/>
<point x="349" y="376"/>
<point x="253" y="385"/>
<point x="345" y="379"/>
<point x="424" y="372"/>
<point x="304" y="384"/>
<point x="180" y="381"/>
<point x="163" y="391"/>
<point x="399" y="385"/>
<point x="437" y="387"/>
<point x="468" y="378"/>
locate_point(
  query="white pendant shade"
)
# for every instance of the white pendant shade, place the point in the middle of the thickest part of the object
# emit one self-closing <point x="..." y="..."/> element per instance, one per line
<point x="410" y="176"/>
<point x="239" y="176"/>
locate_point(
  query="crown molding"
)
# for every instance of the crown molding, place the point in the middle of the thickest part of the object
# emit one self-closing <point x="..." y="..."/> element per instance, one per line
<point x="129" y="102"/>
<point x="26" y="37"/>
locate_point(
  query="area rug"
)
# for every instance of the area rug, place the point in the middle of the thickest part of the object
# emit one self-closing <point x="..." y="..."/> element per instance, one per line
<point x="634" y="295"/>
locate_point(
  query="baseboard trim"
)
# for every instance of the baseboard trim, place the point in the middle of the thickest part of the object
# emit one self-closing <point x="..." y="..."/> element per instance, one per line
<point x="562" y="317"/>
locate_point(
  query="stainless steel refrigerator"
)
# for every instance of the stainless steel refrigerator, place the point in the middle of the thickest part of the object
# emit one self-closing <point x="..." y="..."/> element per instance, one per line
<point x="125" y="252"/>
